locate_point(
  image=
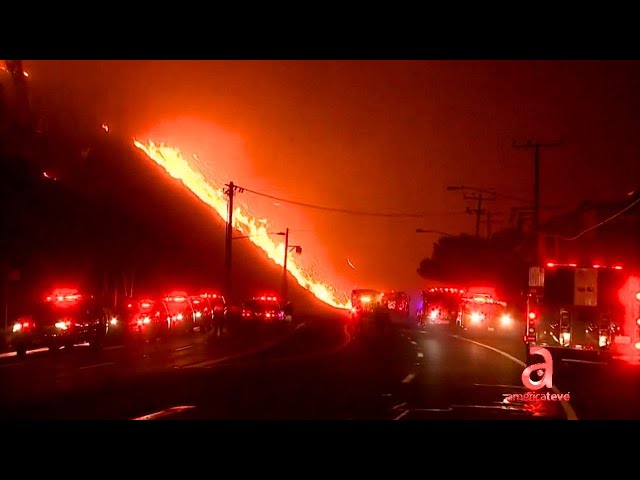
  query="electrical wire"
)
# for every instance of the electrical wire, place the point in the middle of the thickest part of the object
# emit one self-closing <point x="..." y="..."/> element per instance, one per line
<point x="593" y="227"/>
<point x="348" y="211"/>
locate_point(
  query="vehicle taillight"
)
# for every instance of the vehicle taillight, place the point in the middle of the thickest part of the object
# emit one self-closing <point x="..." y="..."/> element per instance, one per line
<point x="246" y="313"/>
<point x="268" y="315"/>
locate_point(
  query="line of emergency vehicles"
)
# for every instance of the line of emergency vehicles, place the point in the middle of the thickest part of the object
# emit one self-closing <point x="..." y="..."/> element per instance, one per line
<point x="477" y="309"/>
<point x="67" y="317"/>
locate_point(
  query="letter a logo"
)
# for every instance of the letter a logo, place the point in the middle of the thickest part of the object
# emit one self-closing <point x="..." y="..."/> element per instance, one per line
<point x="547" y="366"/>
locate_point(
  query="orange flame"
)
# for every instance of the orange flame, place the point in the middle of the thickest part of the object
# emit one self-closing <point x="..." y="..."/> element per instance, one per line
<point x="178" y="167"/>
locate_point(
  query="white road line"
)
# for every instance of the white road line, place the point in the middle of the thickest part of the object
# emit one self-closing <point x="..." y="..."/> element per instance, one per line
<point x="413" y="342"/>
<point x="115" y="347"/>
<point x="422" y="331"/>
<point x="97" y="365"/>
<point x="399" y="406"/>
<point x="186" y="347"/>
<point x="165" y="413"/>
<point x="420" y="355"/>
<point x="575" y="360"/>
<point x="254" y="351"/>
<point x="402" y="415"/>
<point x="14" y="354"/>
<point x="568" y="409"/>
<point x="433" y="409"/>
<point x="409" y="378"/>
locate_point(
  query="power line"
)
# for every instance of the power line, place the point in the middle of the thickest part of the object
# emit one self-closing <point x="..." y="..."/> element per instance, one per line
<point x="593" y="227"/>
<point x="348" y="211"/>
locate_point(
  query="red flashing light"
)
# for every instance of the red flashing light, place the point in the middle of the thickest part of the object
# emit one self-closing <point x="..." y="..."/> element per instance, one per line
<point x="532" y="315"/>
<point x="551" y="264"/>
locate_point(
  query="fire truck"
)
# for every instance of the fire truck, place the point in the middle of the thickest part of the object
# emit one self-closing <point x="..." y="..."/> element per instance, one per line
<point x="592" y="308"/>
<point x="441" y="306"/>
<point x="398" y="302"/>
<point x="482" y="310"/>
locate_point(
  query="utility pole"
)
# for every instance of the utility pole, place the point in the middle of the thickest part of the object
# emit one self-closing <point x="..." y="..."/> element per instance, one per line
<point x="536" y="146"/>
<point x="284" y="266"/>
<point x="285" y="279"/>
<point x="230" y="192"/>
<point x="478" y="211"/>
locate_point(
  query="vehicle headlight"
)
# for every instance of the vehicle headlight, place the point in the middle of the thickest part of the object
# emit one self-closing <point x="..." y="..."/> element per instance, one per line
<point x="114" y="321"/>
<point x="179" y="316"/>
<point x="476" y="317"/>
<point x="506" y="320"/>
<point x="198" y="314"/>
<point x="63" y="325"/>
<point x="17" y="327"/>
<point x="433" y="314"/>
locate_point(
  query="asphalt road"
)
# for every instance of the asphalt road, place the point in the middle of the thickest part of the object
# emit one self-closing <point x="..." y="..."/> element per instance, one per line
<point x="317" y="371"/>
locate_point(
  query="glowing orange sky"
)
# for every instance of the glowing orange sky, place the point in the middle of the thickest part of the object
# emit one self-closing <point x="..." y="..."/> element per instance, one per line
<point x="373" y="135"/>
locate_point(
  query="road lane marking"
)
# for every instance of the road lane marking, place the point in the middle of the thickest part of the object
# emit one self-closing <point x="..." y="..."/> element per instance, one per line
<point x="15" y="354"/>
<point x="566" y="406"/>
<point x="166" y="413"/>
<point x="409" y="378"/>
<point x="399" y="406"/>
<point x="413" y="342"/>
<point x="254" y="351"/>
<point x="575" y="360"/>
<point x="115" y="347"/>
<point x="186" y="347"/>
<point x="420" y="355"/>
<point x="433" y="409"/>
<point x="402" y="415"/>
<point x="97" y="365"/>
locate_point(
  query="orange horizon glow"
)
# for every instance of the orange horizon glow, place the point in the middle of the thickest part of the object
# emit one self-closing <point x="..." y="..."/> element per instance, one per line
<point x="172" y="160"/>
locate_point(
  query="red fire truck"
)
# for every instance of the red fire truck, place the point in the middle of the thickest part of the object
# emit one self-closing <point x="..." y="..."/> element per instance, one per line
<point x="592" y="308"/>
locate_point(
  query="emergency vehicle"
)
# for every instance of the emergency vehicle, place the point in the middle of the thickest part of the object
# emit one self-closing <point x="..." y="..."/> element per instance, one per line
<point x="181" y="316"/>
<point x="364" y="301"/>
<point x="263" y="309"/>
<point x="483" y="311"/>
<point x="147" y="319"/>
<point x="208" y="308"/>
<point x="64" y="318"/>
<point x="441" y="306"/>
<point x="398" y="302"/>
<point x="583" y="307"/>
